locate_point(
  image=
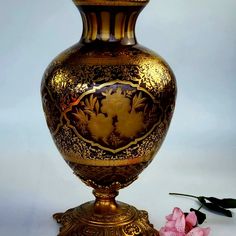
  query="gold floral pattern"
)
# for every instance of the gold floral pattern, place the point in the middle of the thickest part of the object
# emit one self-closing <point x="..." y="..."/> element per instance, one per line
<point x="113" y="115"/>
<point x="149" y="77"/>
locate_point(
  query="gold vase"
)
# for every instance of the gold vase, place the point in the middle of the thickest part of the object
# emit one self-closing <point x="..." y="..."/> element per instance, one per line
<point x="108" y="103"/>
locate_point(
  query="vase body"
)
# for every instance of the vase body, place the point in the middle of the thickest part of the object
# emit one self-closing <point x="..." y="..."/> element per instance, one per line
<point x="108" y="101"/>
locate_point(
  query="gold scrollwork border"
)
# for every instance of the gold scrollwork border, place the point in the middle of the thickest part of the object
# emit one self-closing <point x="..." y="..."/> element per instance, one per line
<point x="93" y="90"/>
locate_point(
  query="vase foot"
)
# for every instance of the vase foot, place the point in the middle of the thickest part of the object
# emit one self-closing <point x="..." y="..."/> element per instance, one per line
<point x="84" y="221"/>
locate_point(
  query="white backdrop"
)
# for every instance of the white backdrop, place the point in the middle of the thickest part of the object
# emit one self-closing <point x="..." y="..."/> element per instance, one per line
<point x="197" y="38"/>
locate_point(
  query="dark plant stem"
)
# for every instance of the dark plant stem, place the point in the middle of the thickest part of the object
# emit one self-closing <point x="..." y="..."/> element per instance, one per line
<point x="200" y="208"/>
<point x="185" y="195"/>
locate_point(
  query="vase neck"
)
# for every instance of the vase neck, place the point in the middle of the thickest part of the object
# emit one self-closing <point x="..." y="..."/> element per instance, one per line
<point x="109" y="23"/>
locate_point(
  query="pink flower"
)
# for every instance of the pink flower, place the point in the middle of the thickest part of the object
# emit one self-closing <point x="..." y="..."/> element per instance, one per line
<point x="180" y="225"/>
<point x="199" y="232"/>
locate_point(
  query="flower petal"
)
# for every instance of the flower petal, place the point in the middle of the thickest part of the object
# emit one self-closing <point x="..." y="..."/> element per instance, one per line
<point x="170" y="224"/>
<point x="199" y="232"/>
<point x="169" y="232"/>
<point x="191" y="218"/>
<point x="177" y="213"/>
<point x="180" y="224"/>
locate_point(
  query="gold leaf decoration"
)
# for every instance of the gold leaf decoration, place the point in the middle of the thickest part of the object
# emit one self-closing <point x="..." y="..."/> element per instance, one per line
<point x="80" y="115"/>
<point x="138" y="101"/>
<point x="114" y="115"/>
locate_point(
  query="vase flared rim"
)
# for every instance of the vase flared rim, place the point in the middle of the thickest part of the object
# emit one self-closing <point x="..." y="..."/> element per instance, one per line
<point x="111" y="2"/>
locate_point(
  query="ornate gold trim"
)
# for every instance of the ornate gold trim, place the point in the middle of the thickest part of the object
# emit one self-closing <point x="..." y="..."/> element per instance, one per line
<point x="111" y="2"/>
<point x="137" y="86"/>
<point x="64" y="114"/>
<point x="82" y="161"/>
<point x="82" y="220"/>
<point x="109" y="149"/>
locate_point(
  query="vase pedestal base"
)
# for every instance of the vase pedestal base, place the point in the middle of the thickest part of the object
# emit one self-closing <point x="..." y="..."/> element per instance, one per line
<point x="126" y="220"/>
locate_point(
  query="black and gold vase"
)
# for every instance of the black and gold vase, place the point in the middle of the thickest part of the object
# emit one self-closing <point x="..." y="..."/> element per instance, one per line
<point x="108" y="103"/>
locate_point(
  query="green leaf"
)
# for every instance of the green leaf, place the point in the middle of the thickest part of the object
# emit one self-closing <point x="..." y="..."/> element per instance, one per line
<point x="201" y="217"/>
<point x="225" y="202"/>
<point x="214" y="207"/>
